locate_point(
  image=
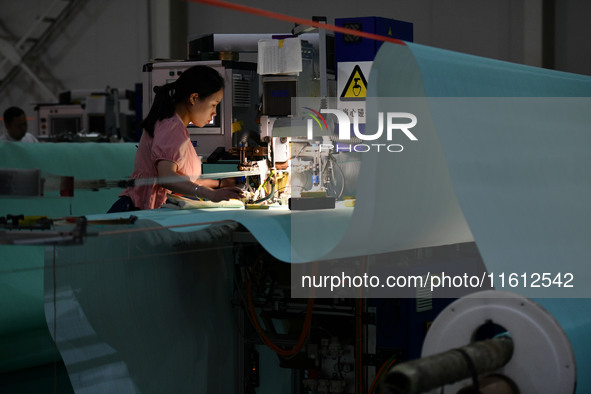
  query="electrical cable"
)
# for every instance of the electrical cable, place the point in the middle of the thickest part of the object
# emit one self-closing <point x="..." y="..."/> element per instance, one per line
<point x="359" y="338"/>
<point x="359" y="346"/>
<point x="280" y="351"/>
<point x="262" y="186"/>
<point x="343" y="177"/>
<point x="268" y="196"/>
<point x="55" y="349"/>
<point x="303" y="336"/>
<point x="240" y="290"/>
<point x="339" y="368"/>
<point x="300" y="151"/>
<point x="298" y="21"/>
<point x="340" y="194"/>
<point x="378" y="378"/>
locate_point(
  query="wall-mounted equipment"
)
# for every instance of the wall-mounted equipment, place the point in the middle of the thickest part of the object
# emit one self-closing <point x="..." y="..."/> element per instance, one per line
<point x="57" y="120"/>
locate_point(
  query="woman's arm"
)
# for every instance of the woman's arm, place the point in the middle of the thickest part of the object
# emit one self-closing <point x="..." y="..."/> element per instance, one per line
<point x="216" y="183"/>
<point x="181" y="184"/>
<point x="211" y="183"/>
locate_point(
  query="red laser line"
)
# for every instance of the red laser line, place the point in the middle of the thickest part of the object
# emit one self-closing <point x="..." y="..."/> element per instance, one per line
<point x="299" y="21"/>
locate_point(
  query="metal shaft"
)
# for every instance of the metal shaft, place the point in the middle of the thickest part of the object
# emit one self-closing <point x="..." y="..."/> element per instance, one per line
<point x="424" y="374"/>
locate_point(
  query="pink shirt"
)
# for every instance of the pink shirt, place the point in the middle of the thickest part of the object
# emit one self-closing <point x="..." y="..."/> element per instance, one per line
<point x="171" y="142"/>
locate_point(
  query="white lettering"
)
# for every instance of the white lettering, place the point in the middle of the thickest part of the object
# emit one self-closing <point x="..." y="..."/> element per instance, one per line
<point x="344" y="124"/>
<point x="390" y="149"/>
<point x="326" y="147"/>
<point x="345" y="130"/>
<point x="343" y="148"/>
<point x="367" y="137"/>
<point x="310" y="126"/>
<point x="403" y="127"/>
<point x="357" y="148"/>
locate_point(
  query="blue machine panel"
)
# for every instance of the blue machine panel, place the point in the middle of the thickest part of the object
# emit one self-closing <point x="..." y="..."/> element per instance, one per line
<point x="350" y="48"/>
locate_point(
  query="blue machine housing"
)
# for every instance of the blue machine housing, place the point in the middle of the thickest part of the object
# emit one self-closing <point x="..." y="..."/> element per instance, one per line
<point x="350" y="48"/>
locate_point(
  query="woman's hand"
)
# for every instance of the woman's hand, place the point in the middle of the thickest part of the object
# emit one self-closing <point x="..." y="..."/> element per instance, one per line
<point x="180" y="184"/>
<point x="224" y="193"/>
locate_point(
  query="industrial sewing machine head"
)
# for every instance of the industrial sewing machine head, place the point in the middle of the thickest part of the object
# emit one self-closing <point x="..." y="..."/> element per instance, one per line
<point x="301" y="147"/>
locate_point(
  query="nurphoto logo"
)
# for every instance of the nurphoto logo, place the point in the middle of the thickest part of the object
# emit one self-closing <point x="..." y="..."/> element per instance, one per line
<point x="392" y="127"/>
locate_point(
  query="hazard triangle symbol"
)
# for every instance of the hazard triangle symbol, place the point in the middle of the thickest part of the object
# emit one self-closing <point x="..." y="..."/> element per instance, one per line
<point x="356" y="87"/>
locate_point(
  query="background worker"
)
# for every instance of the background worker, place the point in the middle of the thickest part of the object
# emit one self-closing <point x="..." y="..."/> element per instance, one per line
<point x="15" y="121"/>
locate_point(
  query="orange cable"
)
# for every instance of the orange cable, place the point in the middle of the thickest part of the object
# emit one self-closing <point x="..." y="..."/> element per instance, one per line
<point x="377" y="378"/>
<point x="268" y="342"/>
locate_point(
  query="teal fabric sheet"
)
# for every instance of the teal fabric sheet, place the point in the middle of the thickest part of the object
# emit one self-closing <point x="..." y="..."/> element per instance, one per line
<point x="514" y="142"/>
<point x="144" y="312"/>
<point x="80" y="160"/>
<point x="290" y="236"/>
<point x="24" y="337"/>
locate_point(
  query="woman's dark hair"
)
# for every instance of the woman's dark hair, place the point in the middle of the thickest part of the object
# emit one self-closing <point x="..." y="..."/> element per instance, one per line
<point x="202" y="80"/>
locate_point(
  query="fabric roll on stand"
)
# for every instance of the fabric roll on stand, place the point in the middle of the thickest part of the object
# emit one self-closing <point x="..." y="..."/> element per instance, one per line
<point x="467" y="105"/>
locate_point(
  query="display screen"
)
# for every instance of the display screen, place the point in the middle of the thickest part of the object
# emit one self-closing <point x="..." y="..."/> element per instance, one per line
<point x="65" y="125"/>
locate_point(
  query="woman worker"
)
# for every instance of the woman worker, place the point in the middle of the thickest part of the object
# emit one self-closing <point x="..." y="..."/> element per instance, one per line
<point x="165" y="156"/>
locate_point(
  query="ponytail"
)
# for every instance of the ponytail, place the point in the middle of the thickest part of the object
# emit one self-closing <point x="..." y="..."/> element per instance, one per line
<point x="202" y="80"/>
<point x="162" y="107"/>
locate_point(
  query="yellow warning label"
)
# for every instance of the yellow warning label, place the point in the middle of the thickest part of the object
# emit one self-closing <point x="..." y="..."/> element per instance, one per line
<point x="356" y="87"/>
